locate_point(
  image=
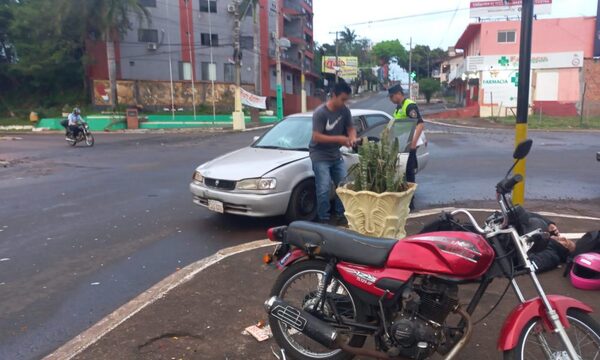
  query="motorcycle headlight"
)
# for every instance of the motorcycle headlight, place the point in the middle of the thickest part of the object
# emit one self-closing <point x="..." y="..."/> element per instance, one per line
<point x="198" y="177"/>
<point x="257" y="184"/>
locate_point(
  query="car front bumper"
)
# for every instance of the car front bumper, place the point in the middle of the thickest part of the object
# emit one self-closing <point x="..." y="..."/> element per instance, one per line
<point x="247" y="204"/>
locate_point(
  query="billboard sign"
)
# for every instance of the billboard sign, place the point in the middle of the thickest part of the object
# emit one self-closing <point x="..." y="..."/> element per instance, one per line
<point x="573" y="59"/>
<point x="509" y="8"/>
<point x="347" y="66"/>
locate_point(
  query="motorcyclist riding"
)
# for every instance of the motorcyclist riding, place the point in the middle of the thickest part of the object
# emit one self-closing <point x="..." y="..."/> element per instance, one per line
<point x="73" y="122"/>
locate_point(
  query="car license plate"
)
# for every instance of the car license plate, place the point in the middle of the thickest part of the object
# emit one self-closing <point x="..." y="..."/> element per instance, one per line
<point x="216" y="206"/>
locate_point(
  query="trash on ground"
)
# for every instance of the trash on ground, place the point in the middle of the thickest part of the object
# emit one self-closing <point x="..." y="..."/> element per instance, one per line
<point x="259" y="333"/>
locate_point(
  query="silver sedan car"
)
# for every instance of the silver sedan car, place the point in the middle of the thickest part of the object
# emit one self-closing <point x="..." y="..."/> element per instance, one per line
<point x="273" y="176"/>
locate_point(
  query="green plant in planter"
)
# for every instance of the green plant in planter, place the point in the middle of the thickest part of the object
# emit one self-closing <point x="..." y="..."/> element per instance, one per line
<point x="377" y="169"/>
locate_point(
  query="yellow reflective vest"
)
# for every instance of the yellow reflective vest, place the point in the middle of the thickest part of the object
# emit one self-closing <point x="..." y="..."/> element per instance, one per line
<point x="400" y="114"/>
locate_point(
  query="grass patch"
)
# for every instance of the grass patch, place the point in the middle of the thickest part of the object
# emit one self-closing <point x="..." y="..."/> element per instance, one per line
<point x="554" y="122"/>
<point x="9" y="121"/>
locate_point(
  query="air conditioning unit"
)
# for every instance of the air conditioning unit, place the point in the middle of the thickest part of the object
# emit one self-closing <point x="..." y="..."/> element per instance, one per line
<point x="231" y="8"/>
<point x="152" y="46"/>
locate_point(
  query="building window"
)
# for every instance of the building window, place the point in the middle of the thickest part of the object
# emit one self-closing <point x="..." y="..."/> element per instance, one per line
<point x="148" y="35"/>
<point x="204" y="70"/>
<point x="185" y="71"/>
<point x="208" y="6"/>
<point x="148" y="3"/>
<point x="207" y="39"/>
<point x="507" y="36"/>
<point x="247" y="42"/>
<point x="229" y="72"/>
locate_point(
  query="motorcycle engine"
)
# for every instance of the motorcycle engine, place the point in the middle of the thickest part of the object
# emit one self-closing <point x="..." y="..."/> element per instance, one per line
<point x="417" y="331"/>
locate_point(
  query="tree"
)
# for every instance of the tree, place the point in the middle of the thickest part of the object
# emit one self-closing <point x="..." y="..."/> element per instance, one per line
<point x="387" y="49"/>
<point x="46" y="64"/>
<point x="428" y="87"/>
<point x="348" y="39"/>
<point x="108" y="19"/>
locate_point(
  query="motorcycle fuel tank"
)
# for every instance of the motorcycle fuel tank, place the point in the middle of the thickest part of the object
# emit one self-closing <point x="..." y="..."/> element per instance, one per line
<point x="455" y="254"/>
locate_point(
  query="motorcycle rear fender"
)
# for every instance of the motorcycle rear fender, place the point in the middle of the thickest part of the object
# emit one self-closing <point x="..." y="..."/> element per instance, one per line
<point x="290" y="258"/>
<point x="531" y="309"/>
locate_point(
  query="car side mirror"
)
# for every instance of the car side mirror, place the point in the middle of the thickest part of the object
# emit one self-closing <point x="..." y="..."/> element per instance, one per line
<point x="522" y="150"/>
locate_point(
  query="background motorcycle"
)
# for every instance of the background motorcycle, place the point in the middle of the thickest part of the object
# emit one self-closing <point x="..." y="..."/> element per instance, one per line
<point x="339" y="287"/>
<point x="83" y="135"/>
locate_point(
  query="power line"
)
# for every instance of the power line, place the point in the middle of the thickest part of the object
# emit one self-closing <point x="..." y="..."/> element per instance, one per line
<point x="370" y="22"/>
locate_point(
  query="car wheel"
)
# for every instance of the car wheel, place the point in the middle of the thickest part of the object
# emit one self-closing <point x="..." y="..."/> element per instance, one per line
<point x="303" y="202"/>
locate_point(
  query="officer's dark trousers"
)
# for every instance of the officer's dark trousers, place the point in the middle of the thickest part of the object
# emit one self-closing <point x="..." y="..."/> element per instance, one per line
<point x="411" y="166"/>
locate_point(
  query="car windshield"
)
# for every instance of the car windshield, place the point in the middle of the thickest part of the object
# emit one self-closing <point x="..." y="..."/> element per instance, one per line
<point x="293" y="133"/>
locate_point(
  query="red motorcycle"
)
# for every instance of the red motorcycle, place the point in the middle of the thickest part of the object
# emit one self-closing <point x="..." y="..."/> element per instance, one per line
<point x="338" y="288"/>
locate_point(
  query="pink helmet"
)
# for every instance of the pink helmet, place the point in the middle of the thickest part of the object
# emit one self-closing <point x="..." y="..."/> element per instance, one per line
<point x="585" y="273"/>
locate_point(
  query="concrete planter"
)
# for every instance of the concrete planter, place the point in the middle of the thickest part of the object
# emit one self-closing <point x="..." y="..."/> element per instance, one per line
<point x="379" y="215"/>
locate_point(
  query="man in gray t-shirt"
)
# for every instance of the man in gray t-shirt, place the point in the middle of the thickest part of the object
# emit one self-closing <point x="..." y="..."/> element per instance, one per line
<point x="332" y="128"/>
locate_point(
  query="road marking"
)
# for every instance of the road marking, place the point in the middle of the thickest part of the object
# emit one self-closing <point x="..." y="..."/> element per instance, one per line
<point x="543" y="213"/>
<point x="159" y="290"/>
<point x="90" y="336"/>
<point x="458" y="126"/>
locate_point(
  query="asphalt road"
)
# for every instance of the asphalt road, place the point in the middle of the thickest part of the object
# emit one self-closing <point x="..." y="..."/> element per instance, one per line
<point x="84" y="230"/>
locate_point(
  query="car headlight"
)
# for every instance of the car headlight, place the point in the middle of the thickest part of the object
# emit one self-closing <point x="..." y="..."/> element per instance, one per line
<point x="198" y="177"/>
<point x="257" y="184"/>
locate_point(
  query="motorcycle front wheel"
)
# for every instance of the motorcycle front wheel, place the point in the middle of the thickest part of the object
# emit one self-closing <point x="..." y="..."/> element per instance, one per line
<point x="536" y="343"/>
<point x="89" y="139"/>
<point x="298" y="285"/>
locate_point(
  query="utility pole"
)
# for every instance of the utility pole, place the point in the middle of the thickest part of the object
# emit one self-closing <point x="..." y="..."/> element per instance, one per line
<point x="523" y="92"/>
<point x="239" y="122"/>
<point x="337" y="56"/>
<point x="303" y="107"/>
<point x="278" y="64"/>
<point x="410" y="68"/>
<point x="189" y="38"/>
<point x="256" y="28"/>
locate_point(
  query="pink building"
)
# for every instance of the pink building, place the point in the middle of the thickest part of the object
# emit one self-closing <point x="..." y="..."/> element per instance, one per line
<point x="560" y="47"/>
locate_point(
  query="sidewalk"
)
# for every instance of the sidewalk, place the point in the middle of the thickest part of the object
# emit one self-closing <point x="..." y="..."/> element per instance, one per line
<point x="204" y="318"/>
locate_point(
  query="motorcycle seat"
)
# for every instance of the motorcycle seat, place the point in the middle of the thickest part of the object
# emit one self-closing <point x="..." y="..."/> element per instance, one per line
<point x="343" y="244"/>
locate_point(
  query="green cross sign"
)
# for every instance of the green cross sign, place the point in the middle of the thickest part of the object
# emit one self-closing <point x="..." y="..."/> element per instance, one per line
<point x="503" y="61"/>
<point x="515" y="79"/>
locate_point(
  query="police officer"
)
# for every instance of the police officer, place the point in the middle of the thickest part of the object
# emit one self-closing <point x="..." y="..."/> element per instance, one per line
<point x="407" y="110"/>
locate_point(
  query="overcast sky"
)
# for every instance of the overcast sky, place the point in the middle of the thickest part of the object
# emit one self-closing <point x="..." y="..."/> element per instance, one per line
<point x="441" y="30"/>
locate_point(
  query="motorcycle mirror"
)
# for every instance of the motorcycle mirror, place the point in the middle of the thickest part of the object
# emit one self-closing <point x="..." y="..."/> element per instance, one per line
<point x="522" y="150"/>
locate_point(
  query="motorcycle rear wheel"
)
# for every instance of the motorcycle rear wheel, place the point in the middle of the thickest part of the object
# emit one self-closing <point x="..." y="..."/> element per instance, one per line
<point x="535" y="343"/>
<point x="297" y="345"/>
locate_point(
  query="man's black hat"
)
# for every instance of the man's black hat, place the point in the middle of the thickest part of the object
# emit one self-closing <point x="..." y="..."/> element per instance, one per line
<point x="395" y="89"/>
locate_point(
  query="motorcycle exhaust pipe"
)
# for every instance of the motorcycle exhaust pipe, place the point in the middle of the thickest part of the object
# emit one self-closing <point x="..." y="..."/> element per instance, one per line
<point x="302" y="321"/>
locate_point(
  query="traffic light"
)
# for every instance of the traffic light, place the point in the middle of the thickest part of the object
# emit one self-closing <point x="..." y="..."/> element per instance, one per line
<point x="413" y="75"/>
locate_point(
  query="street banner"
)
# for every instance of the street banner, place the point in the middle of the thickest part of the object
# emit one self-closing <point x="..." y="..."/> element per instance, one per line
<point x="512" y="8"/>
<point x="347" y="66"/>
<point x="255" y="101"/>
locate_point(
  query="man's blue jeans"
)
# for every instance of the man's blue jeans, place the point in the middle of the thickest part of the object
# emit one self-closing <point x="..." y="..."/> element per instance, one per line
<point x="327" y="172"/>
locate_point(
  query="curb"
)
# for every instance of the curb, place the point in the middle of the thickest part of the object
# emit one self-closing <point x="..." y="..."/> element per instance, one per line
<point x="90" y="336"/>
<point x="507" y="128"/>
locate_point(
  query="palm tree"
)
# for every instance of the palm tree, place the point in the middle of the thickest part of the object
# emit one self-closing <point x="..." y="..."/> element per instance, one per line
<point x="349" y="37"/>
<point x="109" y="20"/>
